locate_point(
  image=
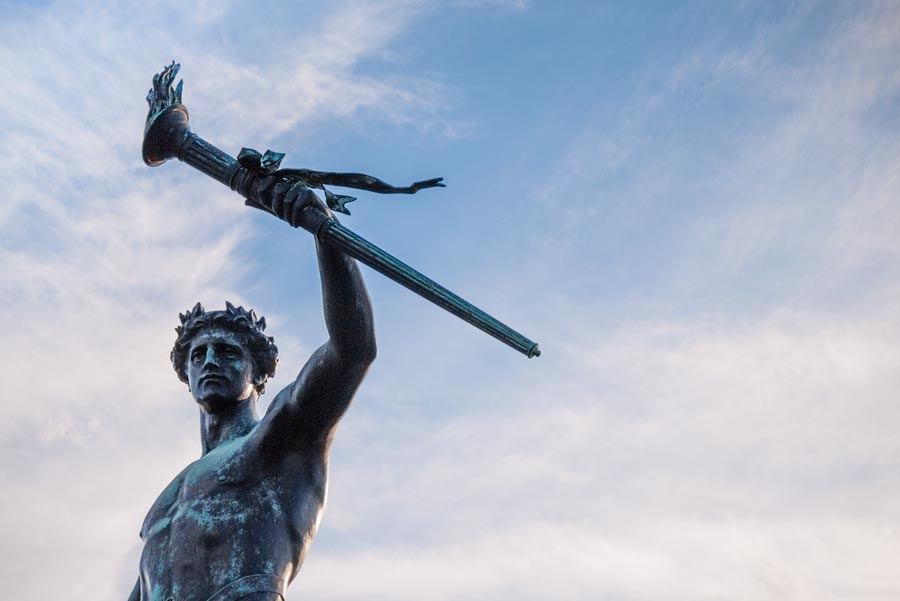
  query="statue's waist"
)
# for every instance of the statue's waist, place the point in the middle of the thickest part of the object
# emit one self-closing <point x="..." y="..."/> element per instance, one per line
<point x="242" y="587"/>
<point x="257" y="583"/>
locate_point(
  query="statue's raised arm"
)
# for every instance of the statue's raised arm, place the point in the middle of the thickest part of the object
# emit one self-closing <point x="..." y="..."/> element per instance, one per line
<point x="307" y="411"/>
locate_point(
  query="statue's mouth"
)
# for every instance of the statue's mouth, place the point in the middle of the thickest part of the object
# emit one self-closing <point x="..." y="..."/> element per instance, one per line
<point x="212" y="379"/>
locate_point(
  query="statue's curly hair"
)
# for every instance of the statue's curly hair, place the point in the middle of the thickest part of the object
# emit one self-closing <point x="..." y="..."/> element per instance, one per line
<point x="236" y="319"/>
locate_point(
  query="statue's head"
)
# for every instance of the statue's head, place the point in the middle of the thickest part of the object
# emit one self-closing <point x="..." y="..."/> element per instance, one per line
<point x="244" y="328"/>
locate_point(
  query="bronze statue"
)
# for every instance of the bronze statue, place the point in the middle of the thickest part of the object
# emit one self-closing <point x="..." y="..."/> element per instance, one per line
<point x="237" y="523"/>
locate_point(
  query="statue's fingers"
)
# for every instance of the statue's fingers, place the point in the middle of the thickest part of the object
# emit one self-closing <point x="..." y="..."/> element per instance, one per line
<point x="315" y="201"/>
<point x="256" y="205"/>
<point x="277" y="193"/>
<point x="296" y="211"/>
<point x="277" y="203"/>
<point x="287" y="212"/>
<point x="293" y="200"/>
<point x="296" y="191"/>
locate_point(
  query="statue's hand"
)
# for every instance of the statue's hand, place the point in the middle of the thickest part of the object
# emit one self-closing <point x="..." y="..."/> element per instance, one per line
<point x="287" y="198"/>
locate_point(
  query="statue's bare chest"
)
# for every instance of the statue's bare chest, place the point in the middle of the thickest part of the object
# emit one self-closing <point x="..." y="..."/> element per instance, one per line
<point x="217" y="490"/>
<point x="228" y="509"/>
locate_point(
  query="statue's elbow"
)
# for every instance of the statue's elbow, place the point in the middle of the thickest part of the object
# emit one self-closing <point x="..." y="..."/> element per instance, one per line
<point x="369" y="351"/>
<point x="361" y="353"/>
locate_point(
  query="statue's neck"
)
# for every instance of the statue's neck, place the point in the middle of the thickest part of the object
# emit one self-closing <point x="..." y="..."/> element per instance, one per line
<point x="226" y="424"/>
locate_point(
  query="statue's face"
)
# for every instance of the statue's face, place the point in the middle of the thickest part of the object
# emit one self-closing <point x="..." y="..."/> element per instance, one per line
<point x="219" y="369"/>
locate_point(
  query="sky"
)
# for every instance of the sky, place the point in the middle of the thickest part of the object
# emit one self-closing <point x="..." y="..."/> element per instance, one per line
<point x="692" y="207"/>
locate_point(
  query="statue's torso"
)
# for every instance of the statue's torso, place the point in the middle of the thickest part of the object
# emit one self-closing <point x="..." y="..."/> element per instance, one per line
<point x="230" y="514"/>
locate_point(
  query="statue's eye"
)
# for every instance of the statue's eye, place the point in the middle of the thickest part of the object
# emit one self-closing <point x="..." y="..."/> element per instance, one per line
<point x="197" y="356"/>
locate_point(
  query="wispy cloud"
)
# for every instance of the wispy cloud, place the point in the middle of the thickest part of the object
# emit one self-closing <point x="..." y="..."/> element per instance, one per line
<point x="663" y="558"/>
<point x="662" y="460"/>
<point x="713" y="415"/>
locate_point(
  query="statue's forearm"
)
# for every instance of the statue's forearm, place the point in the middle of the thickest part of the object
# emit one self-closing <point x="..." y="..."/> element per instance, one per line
<point x="348" y="310"/>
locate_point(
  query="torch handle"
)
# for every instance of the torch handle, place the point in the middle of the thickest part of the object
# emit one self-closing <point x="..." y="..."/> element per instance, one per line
<point x="219" y="165"/>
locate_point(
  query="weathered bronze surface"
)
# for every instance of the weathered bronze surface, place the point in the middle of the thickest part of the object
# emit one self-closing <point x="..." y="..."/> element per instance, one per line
<point x="238" y="522"/>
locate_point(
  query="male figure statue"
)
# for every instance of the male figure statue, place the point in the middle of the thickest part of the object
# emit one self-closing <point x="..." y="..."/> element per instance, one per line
<point x="237" y="523"/>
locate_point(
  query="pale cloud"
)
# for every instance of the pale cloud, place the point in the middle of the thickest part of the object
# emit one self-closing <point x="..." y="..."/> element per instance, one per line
<point x="661" y="558"/>
<point x="665" y="460"/>
<point x="691" y="444"/>
<point x="825" y="156"/>
<point x="314" y="75"/>
<point x="800" y="195"/>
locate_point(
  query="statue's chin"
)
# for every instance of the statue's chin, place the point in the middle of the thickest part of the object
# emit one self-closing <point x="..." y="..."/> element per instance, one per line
<point x="217" y="403"/>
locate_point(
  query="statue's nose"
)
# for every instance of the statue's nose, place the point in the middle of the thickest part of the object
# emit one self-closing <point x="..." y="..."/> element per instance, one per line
<point x="210" y="358"/>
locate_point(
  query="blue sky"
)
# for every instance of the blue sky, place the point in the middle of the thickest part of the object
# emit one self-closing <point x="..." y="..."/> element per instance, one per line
<point x="692" y="207"/>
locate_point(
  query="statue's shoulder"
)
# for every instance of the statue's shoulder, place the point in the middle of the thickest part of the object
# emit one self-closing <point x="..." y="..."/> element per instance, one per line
<point x="284" y="451"/>
<point x="165" y="503"/>
<point x="291" y="427"/>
